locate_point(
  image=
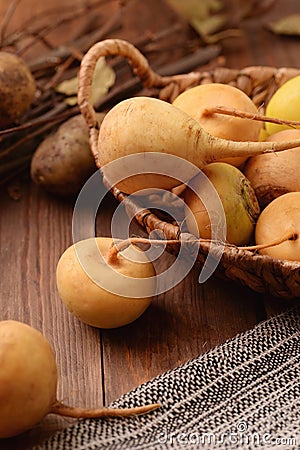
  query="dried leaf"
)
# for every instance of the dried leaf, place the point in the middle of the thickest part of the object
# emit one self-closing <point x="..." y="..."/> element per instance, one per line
<point x="289" y="25"/>
<point x="195" y="9"/>
<point x="71" y="101"/>
<point x="216" y="5"/>
<point x="68" y="87"/>
<point x="202" y="16"/>
<point x="210" y="25"/>
<point x="103" y="79"/>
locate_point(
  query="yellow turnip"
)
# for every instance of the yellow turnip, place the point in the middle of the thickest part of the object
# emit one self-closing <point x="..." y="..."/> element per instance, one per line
<point x="103" y="287"/>
<point x="280" y="218"/>
<point x="239" y="202"/>
<point x="284" y="104"/>
<point x="28" y="382"/>
<point x="197" y="100"/>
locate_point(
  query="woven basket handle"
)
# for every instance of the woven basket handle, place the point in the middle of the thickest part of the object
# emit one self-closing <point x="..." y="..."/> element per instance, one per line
<point x="110" y="47"/>
<point x="140" y="66"/>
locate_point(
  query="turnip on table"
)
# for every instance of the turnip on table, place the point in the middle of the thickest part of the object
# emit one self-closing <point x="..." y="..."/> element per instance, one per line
<point x="28" y="382"/>
<point x="105" y="287"/>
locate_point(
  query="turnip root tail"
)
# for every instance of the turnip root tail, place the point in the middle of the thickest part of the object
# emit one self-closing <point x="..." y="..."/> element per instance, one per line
<point x="221" y="148"/>
<point x="246" y="115"/>
<point x="116" y="248"/>
<point x="288" y="236"/>
<point x="90" y="413"/>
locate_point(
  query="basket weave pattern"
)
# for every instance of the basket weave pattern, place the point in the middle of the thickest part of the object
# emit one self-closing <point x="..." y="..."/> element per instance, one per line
<point x="259" y="272"/>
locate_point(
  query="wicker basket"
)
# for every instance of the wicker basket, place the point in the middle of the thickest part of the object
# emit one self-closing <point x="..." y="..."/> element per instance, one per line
<point x="261" y="273"/>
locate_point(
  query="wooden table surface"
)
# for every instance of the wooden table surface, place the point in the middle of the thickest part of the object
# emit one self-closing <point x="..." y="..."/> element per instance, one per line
<point x="97" y="366"/>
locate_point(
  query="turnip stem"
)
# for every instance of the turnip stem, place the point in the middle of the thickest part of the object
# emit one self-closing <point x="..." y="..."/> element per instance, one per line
<point x="89" y="413"/>
<point x="220" y="147"/>
<point x="246" y="115"/>
<point x="116" y="248"/>
<point x="289" y="236"/>
<point x="112" y="257"/>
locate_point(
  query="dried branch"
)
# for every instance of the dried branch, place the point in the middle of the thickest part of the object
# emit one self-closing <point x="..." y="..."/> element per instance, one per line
<point x="55" y="57"/>
<point x="7" y="17"/>
<point x="61" y="17"/>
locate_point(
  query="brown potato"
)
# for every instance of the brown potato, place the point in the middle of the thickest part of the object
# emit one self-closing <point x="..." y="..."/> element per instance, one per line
<point x="17" y="88"/>
<point x="63" y="162"/>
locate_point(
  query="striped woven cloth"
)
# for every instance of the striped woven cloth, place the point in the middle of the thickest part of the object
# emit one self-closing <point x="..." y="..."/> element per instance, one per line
<point x="243" y="394"/>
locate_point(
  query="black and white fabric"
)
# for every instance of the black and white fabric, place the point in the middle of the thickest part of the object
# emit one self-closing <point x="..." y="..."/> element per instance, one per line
<point x="243" y="394"/>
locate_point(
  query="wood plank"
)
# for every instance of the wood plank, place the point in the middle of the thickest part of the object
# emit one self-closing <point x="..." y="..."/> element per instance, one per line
<point x="257" y="45"/>
<point x="34" y="231"/>
<point x="275" y="305"/>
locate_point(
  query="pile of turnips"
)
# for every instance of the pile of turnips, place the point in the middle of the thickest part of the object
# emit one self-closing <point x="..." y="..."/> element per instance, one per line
<point x="108" y="283"/>
<point x="228" y="149"/>
<point x="262" y="178"/>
